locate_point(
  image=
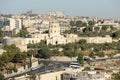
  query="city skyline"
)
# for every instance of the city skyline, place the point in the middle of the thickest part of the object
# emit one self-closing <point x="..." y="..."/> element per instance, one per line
<point x="92" y="8"/>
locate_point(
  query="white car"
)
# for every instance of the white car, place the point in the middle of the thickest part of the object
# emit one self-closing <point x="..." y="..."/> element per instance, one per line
<point x="75" y="65"/>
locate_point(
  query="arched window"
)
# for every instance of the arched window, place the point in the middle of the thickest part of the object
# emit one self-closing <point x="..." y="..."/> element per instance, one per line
<point x="56" y="42"/>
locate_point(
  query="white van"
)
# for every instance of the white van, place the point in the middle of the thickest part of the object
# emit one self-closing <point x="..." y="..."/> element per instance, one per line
<point x="33" y="68"/>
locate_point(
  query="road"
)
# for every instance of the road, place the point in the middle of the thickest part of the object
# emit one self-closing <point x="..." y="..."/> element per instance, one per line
<point x="48" y="66"/>
<point x="104" y="59"/>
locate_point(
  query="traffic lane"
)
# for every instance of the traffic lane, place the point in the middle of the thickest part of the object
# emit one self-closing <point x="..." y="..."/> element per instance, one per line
<point x="97" y="60"/>
<point x="57" y="65"/>
<point x="45" y="68"/>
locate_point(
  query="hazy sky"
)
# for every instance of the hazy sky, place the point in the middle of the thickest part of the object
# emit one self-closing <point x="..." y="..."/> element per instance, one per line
<point x="100" y="8"/>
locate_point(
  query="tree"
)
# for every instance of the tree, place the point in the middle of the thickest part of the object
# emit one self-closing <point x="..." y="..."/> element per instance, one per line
<point x="17" y="58"/>
<point x="1" y="64"/>
<point x="116" y="76"/>
<point x="72" y="23"/>
<point x="79" y="23"/>
<point x="23" y="32"/>
<point x="15" y="68"/>
<point x="69" y="46"/>
<point x="31" y="52"/>
<point x="92" y="55"/>
<point x="30" y="63"/>
<point x="10" y="53"/>
<point x="91" y="23"/>
<point x="105" y="27"/>
<point x="55" y="52"/>
<point x="116" y="34"/>
<point x="80" y="58"/>
<point x="44" y="53"/>
<point x="24" y="55"/>
<point x="1" y="77"/>
<point x="82" y="41"/>
<point x="31" y="45"/>
<point x="96" y="29"/>
<point x="11" y="48"/>
<point x="86" y="68"/>
<point x="70" y="50"/>
<point x="69" y="53"/>
<point x="5" y="58"/>
<point x="41" y="44"/>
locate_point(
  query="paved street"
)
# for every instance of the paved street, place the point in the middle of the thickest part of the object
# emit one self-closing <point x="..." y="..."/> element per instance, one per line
<point x="48" y="66"/>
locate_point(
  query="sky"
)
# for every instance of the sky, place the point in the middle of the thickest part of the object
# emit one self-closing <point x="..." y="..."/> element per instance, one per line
<point x="91" y="8"/>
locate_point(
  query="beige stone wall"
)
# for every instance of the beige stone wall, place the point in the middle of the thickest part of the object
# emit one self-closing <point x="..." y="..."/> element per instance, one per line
<point x="32" y="40"/>
<point x="99" y="40"/>
<point x="51" y="76"/>
<point x="63" y="58"/>
<point x="19" y="42"/>
<point x="48" y="76"/>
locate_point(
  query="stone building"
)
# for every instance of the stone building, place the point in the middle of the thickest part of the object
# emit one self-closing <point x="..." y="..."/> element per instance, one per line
<point x="11" y="26"/>
<point x="54" y="37"/>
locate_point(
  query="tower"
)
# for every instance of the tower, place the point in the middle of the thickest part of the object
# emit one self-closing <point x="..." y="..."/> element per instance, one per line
<point x="54" y="29"/>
